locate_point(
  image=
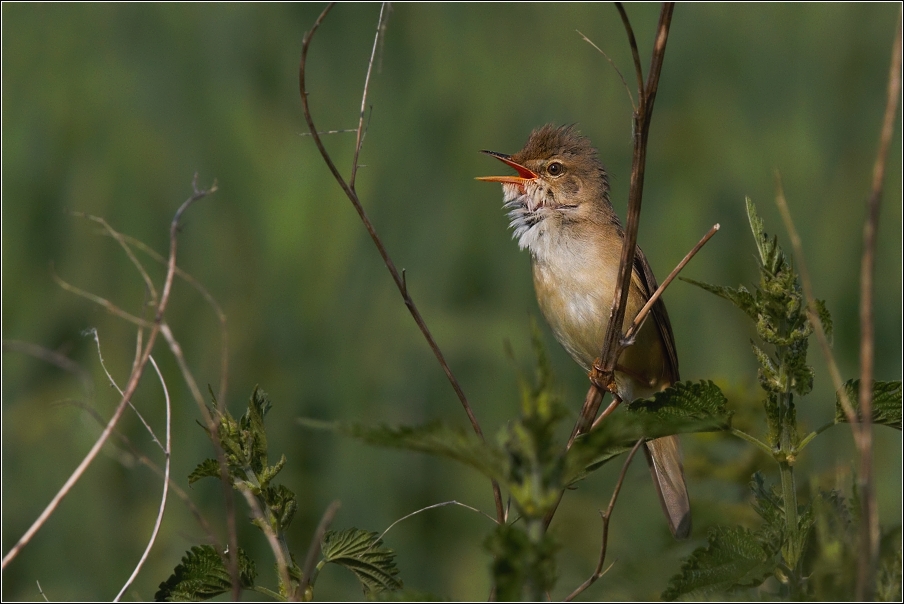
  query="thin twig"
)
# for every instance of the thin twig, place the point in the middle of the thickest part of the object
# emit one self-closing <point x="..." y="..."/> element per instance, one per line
<point x="644" y="312"/>
<point x="166" y="474"/>
<point x="635" y="53"/>
<point x="131" y="386"/>
<point x="208" y="297"/>
<point x="113" y="383"/>
<point x="606" y="516"/>
<point x="149" y="284"/>
<point x="431" y="507"/>
<point x="41" y="591"/>
<point x="310" y="559"/>
<point x="143" y="459"/>
<point x="370" y="64"/>
<point x="614" y="66"/>
<point x="331" y="131"/>
<point x="812" y="309"/>
<point x="352" y="195"/>
<point x="616" y="401"/>
<point x="282" y="561"/>
<point x="869" y="527"/>
<point x="111" y="308"/>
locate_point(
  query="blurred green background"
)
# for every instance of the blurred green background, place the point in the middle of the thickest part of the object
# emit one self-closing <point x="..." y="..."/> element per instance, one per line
<point x="111" y="109"/>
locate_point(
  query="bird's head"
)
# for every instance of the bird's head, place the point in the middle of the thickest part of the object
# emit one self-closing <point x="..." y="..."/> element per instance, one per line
<point x="559" y="177"/>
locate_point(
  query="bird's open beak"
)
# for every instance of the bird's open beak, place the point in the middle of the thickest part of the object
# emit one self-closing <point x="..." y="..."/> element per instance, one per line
<point x="524" y="174"/>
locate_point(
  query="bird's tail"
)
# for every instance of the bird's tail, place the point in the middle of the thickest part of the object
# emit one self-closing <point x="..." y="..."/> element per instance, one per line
<point x="664" y="457"/>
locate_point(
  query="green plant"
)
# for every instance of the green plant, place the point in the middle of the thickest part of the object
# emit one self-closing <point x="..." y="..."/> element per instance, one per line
<point x="203" y="572"/>
<point x="785" y="546"/>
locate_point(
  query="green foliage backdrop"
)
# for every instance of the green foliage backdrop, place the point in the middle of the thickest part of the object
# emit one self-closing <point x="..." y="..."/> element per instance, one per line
<point x="110" y="109"/>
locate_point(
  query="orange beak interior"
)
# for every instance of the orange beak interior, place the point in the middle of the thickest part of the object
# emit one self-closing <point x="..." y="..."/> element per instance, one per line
<point x="524" y="174"/>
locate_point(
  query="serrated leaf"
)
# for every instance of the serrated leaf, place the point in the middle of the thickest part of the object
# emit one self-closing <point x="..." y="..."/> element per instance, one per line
<point x="699" y="402"/>
<point x="740" y="297"/>
<point x="253" y="432"/>
<point x="282" y="503"/>
<point x="268" y="473"/>
<point x="733" y="558"/>
<point x="202" y="575"/>
<point x="684" y="407"/>
<point x="209" y="468"/>
<point x="768" y="504"/>
<point x="363" y="553"/>
<point x="886" y="402"/>
<point x="825" y="318"/>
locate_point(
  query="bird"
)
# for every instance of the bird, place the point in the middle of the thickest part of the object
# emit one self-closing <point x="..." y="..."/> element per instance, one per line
<point x="559" y="210"/>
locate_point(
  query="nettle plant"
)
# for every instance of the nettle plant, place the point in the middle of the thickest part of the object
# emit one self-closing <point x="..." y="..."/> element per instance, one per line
<point x="810" y="549"/>
<point x="798" y="551"/>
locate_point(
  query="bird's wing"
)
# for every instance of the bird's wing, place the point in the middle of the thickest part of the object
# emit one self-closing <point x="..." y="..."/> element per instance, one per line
<point x="660" y="314"/>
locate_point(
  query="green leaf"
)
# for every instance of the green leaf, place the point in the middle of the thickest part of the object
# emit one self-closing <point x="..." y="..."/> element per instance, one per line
<point x="253" y="432"/>
<point x="363" y="553"/>
<point x="768" y="504"/>
<point x="202" y="575"/>
<point x="825" y="318"/>
<point x="771" y="256"/>
<point x="282" y="504"/>
<point x="740" y="297"/>
<point x="734" y="558"/>
<point x="886" y="402"/>
<point x="681" y="408"/>
<point x="699" y="404"/>
<point x="268" y="473"/>
<point x="205" y="469"/>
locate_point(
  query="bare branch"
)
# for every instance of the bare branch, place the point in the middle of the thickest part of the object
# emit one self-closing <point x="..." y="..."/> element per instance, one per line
<point x="128" y="240"/>
<point x="869" y="527"/>
<point x="606" y="516"/>
<point x="642" y="315"/>
<point x="131" y="386"/>
<point x="370" y="65"/>
<point x="431" y="507"/>
<point x="166" y="479"/>
<point x="111" y="308"/>
<point x="143" y="459"/>
<point x="349" y="190"/>
<point x="635" y="53"/>
<point x="614" y="66"/>
<point x="281" y="554"/>
<point x="113" y="383"/>
<point x="310" y="559"/>
<point x="149" y="284"/>
<point x="812" y="310"/>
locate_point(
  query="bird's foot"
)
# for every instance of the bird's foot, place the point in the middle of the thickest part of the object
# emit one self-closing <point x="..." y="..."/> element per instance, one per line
<point x="603" y="380"/>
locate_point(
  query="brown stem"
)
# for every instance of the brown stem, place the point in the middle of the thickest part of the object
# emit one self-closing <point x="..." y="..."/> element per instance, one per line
<point x="639" y="319"/>
<point x="311" y="558"/>
<point x="132" y="385"/>
<point x="390" y="265"/>
<point x="606" y="516"/>
<point x="869" y="527"/>
<point x="642" y="118"/>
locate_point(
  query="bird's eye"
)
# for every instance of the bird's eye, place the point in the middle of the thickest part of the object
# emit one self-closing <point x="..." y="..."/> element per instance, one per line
<point x="555" y="169"/>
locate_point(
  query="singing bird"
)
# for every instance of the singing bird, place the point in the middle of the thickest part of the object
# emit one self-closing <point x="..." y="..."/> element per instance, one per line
<point x="559" y="208"/>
